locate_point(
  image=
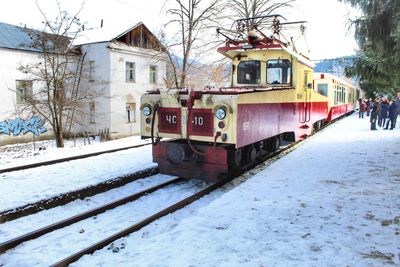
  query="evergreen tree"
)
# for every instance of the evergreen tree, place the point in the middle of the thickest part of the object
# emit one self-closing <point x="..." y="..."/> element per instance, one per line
<point x="377" y="32"/>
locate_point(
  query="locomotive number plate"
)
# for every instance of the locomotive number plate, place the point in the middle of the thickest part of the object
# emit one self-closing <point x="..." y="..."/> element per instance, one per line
<point x="201" y="122"/>
<point x="169" y="120"/>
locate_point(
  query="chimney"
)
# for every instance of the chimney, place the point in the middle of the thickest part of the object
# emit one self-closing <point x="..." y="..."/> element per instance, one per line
<point x="101" y="23"/>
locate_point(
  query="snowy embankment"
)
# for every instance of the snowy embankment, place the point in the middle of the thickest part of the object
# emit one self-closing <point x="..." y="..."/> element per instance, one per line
<point x="22" y="154"/>
<point x="28" y="186"/>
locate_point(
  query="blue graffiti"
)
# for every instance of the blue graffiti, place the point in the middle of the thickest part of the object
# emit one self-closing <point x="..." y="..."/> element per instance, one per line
<point x="16" y="126"/>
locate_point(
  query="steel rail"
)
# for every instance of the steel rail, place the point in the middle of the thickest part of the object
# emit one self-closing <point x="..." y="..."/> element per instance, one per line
<point x="47" y="229"/>
<point x="50" y="162"/>
<point x="137" y="226"/>
<point x="64" y="198"/>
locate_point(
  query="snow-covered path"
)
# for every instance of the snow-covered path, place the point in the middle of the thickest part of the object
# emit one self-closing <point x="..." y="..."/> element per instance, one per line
<point x="331" y="202"/>
<point x="334" y="201"/>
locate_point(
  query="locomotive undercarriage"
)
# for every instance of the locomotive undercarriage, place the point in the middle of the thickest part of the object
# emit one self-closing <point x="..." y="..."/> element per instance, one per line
<point x="210" y="162"/>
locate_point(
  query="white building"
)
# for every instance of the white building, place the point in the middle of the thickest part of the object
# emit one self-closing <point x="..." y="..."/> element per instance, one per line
<point x="130" y="63"/>
<point x="15" y="50"/>
<point x="123" y="64"/>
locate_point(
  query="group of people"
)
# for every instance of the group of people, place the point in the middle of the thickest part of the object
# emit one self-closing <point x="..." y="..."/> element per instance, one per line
<point x="383" y="111"/>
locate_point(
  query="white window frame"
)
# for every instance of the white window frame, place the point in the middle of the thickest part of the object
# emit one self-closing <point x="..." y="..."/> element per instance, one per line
<point x="130" y="71"/>
<point x="23" y="91"/>
<point x="92" y="112"/>
<point x="153" y="74"/>
<point x="91" y="70"/>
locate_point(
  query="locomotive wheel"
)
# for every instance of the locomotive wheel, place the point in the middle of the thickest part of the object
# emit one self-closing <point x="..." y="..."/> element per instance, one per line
<point x="235" y="160"/>
<point x="273" y="144"/>
<point x="252" y="154"/>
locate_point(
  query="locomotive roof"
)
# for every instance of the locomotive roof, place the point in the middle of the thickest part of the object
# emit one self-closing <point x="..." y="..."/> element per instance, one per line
<point x="233" y="51"/>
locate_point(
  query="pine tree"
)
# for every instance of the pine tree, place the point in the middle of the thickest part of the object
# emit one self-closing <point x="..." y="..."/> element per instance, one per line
<point x="377" y="32"/>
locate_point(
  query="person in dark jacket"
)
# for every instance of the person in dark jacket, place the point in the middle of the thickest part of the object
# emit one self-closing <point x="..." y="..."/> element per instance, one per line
<point x="374" y="114"/>
<point x="369" y="105"/>
<point x="392" y="111"/>
<point x="383" y="113"/>
<point x="397" y="103"/>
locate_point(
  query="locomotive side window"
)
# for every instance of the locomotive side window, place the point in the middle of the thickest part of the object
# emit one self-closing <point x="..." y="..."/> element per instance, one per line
<point x="278" y="71"/>
<point x="323" y="89"/>
<point x="249" y="72"/>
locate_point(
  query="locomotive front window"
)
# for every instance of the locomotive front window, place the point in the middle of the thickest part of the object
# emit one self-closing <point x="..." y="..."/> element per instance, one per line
<point x="249" y="72"/>
<point x="278" y="71"/>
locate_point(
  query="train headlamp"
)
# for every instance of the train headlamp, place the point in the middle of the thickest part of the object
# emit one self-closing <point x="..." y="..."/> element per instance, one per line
<point x="146" y="110"/>
<point x="220" y="113"/>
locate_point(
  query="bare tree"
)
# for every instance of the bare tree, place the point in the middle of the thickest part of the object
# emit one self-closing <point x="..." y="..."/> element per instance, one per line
<point x="255" y="10"/>
<point x="59" y="73"/>
<point x="193" y="18"/>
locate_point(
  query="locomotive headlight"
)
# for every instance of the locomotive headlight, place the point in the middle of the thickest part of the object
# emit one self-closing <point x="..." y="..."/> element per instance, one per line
<point x="146" y="110"/>
<point x="220" y="113"/>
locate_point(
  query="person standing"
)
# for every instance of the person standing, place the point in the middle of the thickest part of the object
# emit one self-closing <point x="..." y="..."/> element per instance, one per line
<point x="361" y="108"/>
<point x="369" y="105"/>
<point x="383" y="113"/>
<point x="397" y="104"/>
<point x="392" y="111"/>
<point x="374" y="114"/>
<point x="378" y="100"/>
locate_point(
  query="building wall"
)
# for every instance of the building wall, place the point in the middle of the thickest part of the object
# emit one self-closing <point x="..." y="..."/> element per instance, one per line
<point x="109" y="81"/>
<point x="123" y="92"/>
<point x="10" y="61"/>
<point x="100" y="82"/>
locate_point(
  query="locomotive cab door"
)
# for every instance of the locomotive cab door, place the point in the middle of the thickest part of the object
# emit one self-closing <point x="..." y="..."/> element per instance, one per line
<point x="305" y="107"/>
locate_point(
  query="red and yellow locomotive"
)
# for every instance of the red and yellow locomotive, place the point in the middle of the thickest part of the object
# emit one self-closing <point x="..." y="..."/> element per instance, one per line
<point x="274" y="96"/>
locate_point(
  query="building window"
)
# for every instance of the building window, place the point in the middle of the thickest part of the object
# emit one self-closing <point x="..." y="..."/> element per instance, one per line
<point x="249" y="72"/>
<point x="131" y="112"/>
<point x="278" y="71"/>
<point x="130" y="72"/>
<point x="153" y="74"/>
<point x="92" y="114"/>
<point x="91" y="70"/>
<point x="24" y="91"/>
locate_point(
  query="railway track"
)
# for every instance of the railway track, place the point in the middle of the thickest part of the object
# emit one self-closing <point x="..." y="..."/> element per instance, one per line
<point x="82" y="216"/>
<point x="50" y="162"/>
<point x="137" y="226"/>
<point x="5" y="246"/>
<point x="181" y="204"/>
<point x="31" y="208"/>
<point x="134" y="227"/>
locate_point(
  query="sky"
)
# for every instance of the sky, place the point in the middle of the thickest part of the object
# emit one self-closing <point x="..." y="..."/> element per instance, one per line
<point x="327" y="33"/>
<point x="298" y="210"/>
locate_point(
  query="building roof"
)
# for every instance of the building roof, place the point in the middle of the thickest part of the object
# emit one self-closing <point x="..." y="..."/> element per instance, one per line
<point x="15" y="37"/>
<point x="103" y="34"/>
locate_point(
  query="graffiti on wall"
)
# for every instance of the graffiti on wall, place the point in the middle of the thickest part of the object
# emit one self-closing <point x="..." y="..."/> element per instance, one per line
<point x="17" y="126"/>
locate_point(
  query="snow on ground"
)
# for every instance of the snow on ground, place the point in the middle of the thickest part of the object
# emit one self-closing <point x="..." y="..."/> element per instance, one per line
<point x="72" y="238"/>
<point x="331" y="202"/>
<point x="21" y="154"/>
<point x="334" y="201"/>
<point x="27" y="186"/>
